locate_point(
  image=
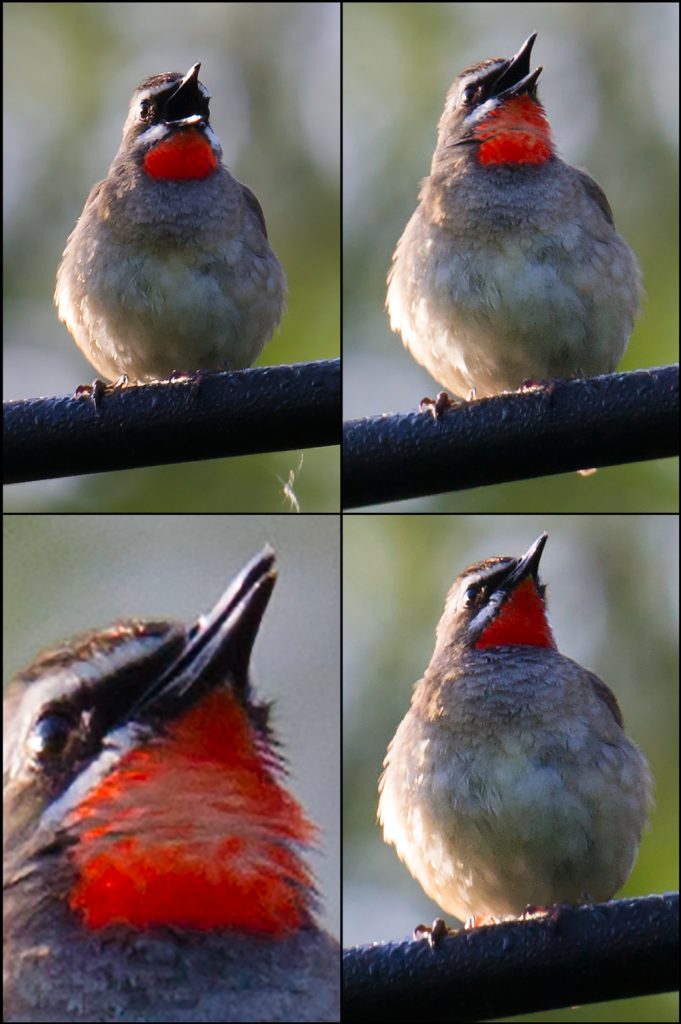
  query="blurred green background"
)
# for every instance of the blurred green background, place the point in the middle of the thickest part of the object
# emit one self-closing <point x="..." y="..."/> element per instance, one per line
<point x="273" y="71"/>
<point x="610" y="88"/>
<point x="613" y="599"/>
<point x="66" y="574"/>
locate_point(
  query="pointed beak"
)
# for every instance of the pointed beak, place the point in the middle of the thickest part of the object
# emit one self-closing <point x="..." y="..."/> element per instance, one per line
<point x="193" y="73"/>
<point x="515" y="77"/>
<point x="218" y="646"/>
<point x="527" y="564"/>
<point x="189" y="100"/>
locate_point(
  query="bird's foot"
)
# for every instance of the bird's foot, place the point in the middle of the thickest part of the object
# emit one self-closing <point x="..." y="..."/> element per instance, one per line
<point x="439" y="405"/>
<point x="433" y="934"/>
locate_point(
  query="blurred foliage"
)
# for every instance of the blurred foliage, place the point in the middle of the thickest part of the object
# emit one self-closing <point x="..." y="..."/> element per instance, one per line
<point x="613" y="601"/>
<point x="609" y="70"/>
<point x="274" y="74"/>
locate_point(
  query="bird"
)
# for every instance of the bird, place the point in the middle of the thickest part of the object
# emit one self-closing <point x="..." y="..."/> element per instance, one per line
<point x="510" y="782"/>
<point x="510" y="271"/>
<point x="154" y="859"/>
<point x="169" y="270"/>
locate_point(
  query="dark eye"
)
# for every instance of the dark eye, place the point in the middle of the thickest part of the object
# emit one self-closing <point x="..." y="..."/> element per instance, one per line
<point x="472" y="593"/>
<point x="469" y="94"/>
<point x="145" y="110"/>
<point x="50" y="735"/>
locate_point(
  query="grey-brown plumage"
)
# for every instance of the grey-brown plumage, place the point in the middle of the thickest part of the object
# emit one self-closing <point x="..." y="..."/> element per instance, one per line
<point x="510" y="268"/>
<point x="167" y="275"/>
<point x="510" y="781"/>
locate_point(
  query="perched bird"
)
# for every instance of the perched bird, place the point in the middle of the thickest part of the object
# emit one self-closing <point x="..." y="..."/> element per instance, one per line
<point x="510" y="781"/>
<point x="153" y="857"/>
<point x="169" y="269"/>
<point x="510" y="268"/>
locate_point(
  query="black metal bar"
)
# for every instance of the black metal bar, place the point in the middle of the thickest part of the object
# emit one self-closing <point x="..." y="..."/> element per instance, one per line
<point x="213" y="415"/>
<point x="566" y="425"/>
<point x="571" y="955"/>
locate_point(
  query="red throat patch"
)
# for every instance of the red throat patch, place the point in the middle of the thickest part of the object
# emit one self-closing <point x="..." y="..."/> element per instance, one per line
<point x="517" y="132"/>
<point x="522" y="620"/>
<point x="194" y="830"/>
<point x="185" y="155"/>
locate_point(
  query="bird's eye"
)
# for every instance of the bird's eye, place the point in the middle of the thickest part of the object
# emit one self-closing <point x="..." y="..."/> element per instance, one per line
<point x="50" y="735"/>
<point x="469" y="93"/>
<point x="145" y="110"/>
<point x="472" y="593"/>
